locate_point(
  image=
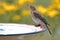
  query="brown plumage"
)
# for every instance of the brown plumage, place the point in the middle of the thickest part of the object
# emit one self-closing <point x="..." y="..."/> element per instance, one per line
<point x="38" y="18"/>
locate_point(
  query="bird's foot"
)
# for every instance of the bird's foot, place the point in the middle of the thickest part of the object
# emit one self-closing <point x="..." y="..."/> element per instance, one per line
<point x="37" y="25"/>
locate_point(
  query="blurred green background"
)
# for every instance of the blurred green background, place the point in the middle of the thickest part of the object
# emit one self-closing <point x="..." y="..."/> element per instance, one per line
<point x="17" y="11"/>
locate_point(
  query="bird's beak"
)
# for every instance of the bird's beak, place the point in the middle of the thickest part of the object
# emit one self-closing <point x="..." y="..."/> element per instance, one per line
<point x="32" y="7"/>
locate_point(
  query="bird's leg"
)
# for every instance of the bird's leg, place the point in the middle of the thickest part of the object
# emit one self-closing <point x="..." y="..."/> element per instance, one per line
<point x="38" y="25"/>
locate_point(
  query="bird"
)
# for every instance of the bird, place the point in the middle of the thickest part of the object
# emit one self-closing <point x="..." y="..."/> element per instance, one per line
<point x="38" y="18"/>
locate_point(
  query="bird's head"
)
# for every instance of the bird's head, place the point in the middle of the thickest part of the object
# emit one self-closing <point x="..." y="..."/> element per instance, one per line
<point x="32" y="8"/>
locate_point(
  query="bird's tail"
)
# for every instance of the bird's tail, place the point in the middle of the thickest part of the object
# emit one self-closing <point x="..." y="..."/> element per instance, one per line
<point x="48" y="29"/>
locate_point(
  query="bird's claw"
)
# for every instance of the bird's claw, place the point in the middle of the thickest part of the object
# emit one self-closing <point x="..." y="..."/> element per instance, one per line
<point x="37" y="25"/>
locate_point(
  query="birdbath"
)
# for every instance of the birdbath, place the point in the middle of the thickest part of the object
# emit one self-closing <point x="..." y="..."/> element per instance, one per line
<point x="20" y="30"/>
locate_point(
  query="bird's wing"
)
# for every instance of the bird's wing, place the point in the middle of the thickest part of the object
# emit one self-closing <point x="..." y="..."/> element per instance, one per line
<point x="37" y="15"/>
